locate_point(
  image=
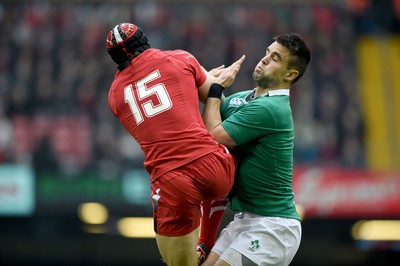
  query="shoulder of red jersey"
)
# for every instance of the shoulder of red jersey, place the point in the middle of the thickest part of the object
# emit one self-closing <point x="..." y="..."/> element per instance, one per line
<point x="181" y="54"/>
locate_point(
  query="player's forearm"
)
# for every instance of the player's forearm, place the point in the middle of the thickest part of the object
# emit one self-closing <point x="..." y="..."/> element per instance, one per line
<point x="211" y="114"/>
<point x="212" y="117"/>
<point x="212" y="120"/>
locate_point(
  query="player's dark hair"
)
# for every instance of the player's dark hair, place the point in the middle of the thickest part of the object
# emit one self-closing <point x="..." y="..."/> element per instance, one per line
<point x="298" y="49"/>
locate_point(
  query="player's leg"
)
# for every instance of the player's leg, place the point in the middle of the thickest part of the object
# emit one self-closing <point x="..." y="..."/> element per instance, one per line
<point x="237" y="259"/>
<point x="220" y="175"/>
<point x="211" y="259"/>
<point x="177" y="251"/>
<point x="177" y="196"/>
<point x="176" y="202"/>
<point x="225" y="239"/>
<point x="212" y="214"/>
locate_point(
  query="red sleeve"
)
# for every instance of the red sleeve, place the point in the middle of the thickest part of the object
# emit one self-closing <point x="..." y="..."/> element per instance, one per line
<point x="200" y="74"/>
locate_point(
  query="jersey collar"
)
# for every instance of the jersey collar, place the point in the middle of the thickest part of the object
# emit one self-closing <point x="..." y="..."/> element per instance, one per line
<point x="278" y="92"/>
<point x="271" y="93"/>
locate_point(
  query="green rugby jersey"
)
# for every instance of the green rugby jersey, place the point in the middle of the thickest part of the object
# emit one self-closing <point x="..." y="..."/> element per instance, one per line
<point x="263" y="131"/>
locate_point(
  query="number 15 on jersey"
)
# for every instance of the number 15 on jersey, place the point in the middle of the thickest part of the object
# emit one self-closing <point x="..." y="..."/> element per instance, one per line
<point x="147" y="108"/>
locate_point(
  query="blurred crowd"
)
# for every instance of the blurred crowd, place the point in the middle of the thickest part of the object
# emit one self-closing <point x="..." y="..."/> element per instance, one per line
<point x="55" y="73"/>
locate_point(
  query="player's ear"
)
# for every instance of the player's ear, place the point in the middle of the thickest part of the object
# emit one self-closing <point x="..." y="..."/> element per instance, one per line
<point x="291" y="75"/>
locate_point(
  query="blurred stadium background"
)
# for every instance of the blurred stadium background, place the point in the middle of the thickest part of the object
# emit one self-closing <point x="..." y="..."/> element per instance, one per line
<point x="72" y="187"/>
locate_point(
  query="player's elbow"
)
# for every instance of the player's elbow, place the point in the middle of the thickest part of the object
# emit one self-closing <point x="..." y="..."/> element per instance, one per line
<point x="222" y="137"/>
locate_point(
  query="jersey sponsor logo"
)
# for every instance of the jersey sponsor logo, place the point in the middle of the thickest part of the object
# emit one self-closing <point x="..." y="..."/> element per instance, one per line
<point x="236" y="102"/>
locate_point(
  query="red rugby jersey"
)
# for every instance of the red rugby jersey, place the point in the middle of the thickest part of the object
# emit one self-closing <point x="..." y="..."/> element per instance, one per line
<point x="156" y="100"/>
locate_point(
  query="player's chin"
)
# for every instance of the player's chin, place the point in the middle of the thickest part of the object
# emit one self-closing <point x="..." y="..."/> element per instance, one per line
<point x="256" y="76"/>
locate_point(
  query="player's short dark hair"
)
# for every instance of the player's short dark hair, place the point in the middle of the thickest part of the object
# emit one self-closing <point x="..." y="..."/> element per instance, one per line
<point x="301" y="54"/>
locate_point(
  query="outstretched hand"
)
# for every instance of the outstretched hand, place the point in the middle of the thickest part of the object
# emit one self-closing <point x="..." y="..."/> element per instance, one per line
<point x="226" y="76"/>
<point x="215" y="72"/>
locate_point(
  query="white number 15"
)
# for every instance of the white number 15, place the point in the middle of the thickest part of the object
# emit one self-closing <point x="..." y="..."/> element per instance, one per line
<point x="147" y="108"/>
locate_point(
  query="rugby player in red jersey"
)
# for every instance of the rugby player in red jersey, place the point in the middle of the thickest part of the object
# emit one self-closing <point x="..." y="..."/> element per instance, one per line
<point x="155" y="95"/>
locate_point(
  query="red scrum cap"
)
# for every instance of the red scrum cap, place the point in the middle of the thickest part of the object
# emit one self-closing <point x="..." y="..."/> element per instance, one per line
<point x="119" y="34"/>
<point x="123" y="41"/>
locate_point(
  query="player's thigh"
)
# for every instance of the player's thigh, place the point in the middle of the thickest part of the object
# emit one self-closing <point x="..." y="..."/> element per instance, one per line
<point x="211" y="259"/>
<point x="178" y="250"/>
<point x="213" y="173"/>
<point x="176" y="204"/>
<point x="234" y="258"/>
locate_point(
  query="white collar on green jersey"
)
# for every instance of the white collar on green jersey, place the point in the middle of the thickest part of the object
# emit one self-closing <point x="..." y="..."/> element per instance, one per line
<point x="250" y="96"/>
<point x="270" y="93"/>
<point x="278" y="92"/>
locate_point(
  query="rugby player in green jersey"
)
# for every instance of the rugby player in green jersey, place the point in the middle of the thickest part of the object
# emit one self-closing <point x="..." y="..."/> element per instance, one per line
<point x="258" y="125"/>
